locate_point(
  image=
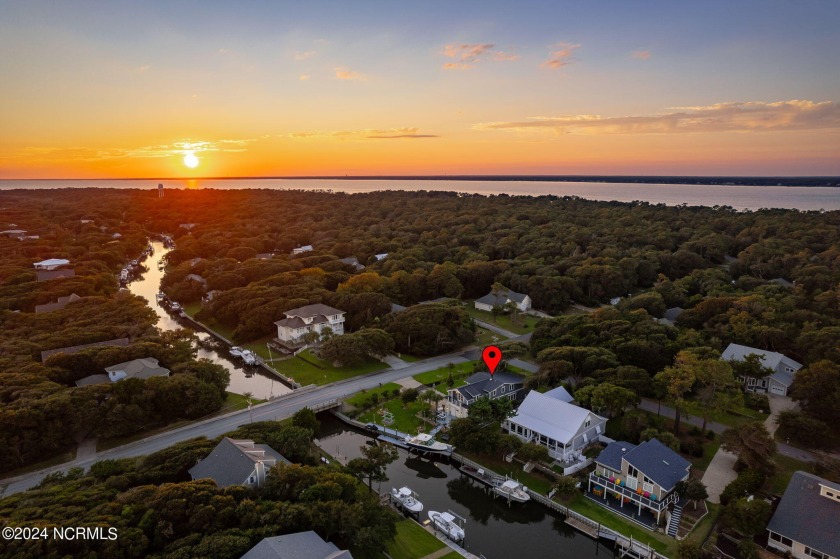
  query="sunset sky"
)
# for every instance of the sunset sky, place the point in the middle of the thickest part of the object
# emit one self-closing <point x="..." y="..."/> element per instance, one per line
<point x="128" y="89"/>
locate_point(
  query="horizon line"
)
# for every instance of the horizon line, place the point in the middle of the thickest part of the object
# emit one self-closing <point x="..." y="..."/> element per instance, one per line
<point x="497" y="177"/>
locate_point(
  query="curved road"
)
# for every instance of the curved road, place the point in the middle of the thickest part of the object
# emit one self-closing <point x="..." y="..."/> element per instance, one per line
<point x="278" y="408"/>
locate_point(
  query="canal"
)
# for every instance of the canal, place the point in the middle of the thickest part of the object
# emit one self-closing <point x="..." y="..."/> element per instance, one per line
<point x="255" y="380"/>
<point x="493" y="529"/>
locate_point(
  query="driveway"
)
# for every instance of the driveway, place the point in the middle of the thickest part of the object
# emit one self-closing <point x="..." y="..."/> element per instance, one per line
<point x="720" y="472"/>
<point x="778" y="404"/>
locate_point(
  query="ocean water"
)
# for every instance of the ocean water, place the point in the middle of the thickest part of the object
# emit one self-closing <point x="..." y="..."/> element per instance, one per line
<point x="736" y="196"/>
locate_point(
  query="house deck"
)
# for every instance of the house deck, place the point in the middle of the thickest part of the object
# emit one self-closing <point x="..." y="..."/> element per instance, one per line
<point x="629" y="511"/>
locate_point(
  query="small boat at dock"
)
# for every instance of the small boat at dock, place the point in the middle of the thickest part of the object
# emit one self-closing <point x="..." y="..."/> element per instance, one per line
<point x="513" y="491"/>
<point x="426" y="443"/>
<point x="445" y="522"/>
<point x="249" y="357"/>
<point x="407" y="499"/>
<point x="236" y="351"/>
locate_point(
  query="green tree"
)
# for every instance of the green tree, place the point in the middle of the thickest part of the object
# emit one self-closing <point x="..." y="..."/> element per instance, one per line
<point x="677" y="381"/>
<point x="305" y="418"/>
<point x="606" y="397"/>
<point x="373" y="463"/>
<point x="817" y="388"/>
<point x="752" y="444"/>
<point x="747" y="517"/>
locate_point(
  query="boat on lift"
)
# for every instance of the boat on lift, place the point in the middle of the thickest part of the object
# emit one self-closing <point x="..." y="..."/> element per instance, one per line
<point x="236" y="351"/>
<point x="426" y="443"/>
<point x="249" y="357"/>
<point x="407" y="499"/>
<point x="160" y="296"/>
<point x="513" y="491"/>
<point x="445" y="522"/>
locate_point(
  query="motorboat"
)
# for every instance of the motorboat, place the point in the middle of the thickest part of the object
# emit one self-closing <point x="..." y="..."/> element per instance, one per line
<point x="236" y="351"/>
<point x="426" y="443"/>
<point x="249" y="357"/>
<point x="160" y="296"/>
<point x="407" y="499"/>
<point x="512" y="490"/>
<point x="445" y="522"/>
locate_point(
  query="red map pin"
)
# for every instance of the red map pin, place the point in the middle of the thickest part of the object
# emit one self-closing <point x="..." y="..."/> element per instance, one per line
<point x="491" y="356"/>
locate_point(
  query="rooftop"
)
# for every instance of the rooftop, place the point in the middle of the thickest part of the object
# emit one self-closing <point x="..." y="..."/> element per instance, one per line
<point x="232" y="461"/>
<point x="144" y="368"/>
<point x="312" y="311"/>
<point x="480" y="384"/>
<point x="551" y="417"/>
<point x="769" y="359"/>
<point x="502" y="297"/>
<point x="655" y="460"/>
<point x="302" y="545"/>
<point x="805" y="516"/>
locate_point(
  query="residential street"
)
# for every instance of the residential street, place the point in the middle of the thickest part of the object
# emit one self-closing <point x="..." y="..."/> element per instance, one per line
<point x="279" y="408"/>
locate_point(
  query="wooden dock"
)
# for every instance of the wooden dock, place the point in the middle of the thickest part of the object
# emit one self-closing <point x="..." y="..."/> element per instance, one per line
<point x="586" y="528"/>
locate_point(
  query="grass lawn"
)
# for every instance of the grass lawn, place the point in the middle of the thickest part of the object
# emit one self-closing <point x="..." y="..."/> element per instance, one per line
<point x="192" y="308"/>
<point x="524" y="323"/>
<point x="409" y="358"/>
<point x="660" y="542"/>
<point x="485" y="337"/>
<point x="459" y="372"/>
<point x="452" y="555"/>
<point x="785" y="467"/>
<point x="703" y="528"/>
<point x="533" y="480"/>
<point x="739" y="417"/>
<point x="359" y="398"/>
<point x="233" y="402"/>
<point x="317" y="371"/>
<point x="405" y="418"/>
<point x="709" y="450"/>
<point x="413" y="542"/>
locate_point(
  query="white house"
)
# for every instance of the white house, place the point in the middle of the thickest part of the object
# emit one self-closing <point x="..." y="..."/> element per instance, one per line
<point x="381" y="256"/>
<point x="51" y="264"/>
<point x="237" y="462"/>
<point x="806" y="523"/>
<point x="301" y="250"/>
<point x="501" y="298"/>
<point x="311" y="318"/>
<point x="564" y="429"/>
<point x="784" y="368"/>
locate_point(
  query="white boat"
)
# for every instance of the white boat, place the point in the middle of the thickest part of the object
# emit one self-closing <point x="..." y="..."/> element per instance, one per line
<point x="160" y="296"/>
<point x="445" y="522"/>
<point x="236" y="351"/>
<point x="512" y="490"/>
<point x="407" y="499"/>
<point x="426" y="443"/>
<point x="249" y="357"/>
<point x="176" y="307"/>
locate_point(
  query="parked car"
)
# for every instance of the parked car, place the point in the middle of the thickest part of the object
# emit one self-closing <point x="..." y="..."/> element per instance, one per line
<point x="372" y="427"/>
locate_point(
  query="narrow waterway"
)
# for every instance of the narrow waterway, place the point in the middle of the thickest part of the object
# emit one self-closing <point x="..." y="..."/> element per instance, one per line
<point x="255" y="380"/>
<point x="494" y="529"/>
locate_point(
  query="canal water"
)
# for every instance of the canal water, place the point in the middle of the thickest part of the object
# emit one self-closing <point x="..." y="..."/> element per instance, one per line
<point x="243" y="379"/>
<point x="493" y="529"/>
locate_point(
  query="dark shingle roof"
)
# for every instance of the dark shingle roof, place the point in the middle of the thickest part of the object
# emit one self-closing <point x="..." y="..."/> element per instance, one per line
<point x="232" y="461"/>
<point x="46" y="275"/>
<point x="611" y="456"/>
<point x="480" y="384"/>
<point x="659" y="463"/>
<point x="502" y="297"/>
<point x="673" y="313"/>
<point x="76" y="348"/>
<point x="313" y="310"/>
<point x="303" y="545"/>
<point x="93" y="379"/>
<point x="807" y="517"/>
<point x="293" y="322"/>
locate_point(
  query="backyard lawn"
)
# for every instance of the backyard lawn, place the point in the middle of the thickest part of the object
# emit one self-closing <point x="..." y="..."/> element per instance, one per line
<point x="308" y="369"/>
<point x="405" y="417"/>
<point x="785" y="468"/>
<point x="459" y="371"/>
<point x="485" y="337"/>
<point x="533" y="480"/>
<point x="384" y="392"/>
<point x="413" y="542"/>
<point x="524" y="323"/>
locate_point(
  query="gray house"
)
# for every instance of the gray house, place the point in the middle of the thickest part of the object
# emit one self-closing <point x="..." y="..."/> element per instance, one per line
<point x="237" y="462"/>
<point x="783" y="369"/>
<point x="807" y="521"/>
<point x="142" y="369"/>
<point x="563" y="428"/>
<point x="501" y="298"/>
<point x="302" y="545"/>
<point x="484" y="385"/>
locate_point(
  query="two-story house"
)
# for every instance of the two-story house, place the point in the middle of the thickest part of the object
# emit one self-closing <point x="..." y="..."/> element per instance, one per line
<point x="806" y="523"/>
<point x="483" y="385"/>
<point x="783" y="367"/>
<point x="311" y="318"/>
<point x="642" y="476"/>
<point x="563" y="428"/>
<point x="238" y="462"/>
<point x="501" y="298"/>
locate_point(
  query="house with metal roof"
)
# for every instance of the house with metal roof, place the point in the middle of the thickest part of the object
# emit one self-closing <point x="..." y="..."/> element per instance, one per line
<point x="560" y="393"/>
<point x="806" y="523"/>
<point x="783" y="367"/>
<point x="501" y="298"/>
<point x="301" y="250"/>
<point x="302" y="545"/>
<point x="352" y="261"/>
<point x="484" y="385"/>
<point x="141" y="369"/>
<point x="641" y="476"/>
<point x="563" y="428"/>
<point x="311" y="318"/>
<point x="51" y="264"/>
<point x="238" y="462"/>
<point x="58" y="305"/>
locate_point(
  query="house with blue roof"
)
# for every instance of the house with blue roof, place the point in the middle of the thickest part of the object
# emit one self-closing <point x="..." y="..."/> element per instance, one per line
<point x="632" y="479"/>
<point x="484" y="385"/>
<point x="806" y="523"/>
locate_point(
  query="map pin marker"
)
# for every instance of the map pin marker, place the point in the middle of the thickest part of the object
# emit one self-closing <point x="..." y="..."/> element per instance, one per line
<point x="491" y="356"/>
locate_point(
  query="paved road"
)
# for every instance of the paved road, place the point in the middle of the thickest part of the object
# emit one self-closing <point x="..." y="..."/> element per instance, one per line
<point x="279" y="408"/>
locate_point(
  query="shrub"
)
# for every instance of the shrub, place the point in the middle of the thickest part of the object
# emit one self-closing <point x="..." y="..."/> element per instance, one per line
<point x="692" y="447"/>
<point x="748" y="481"/>
<point x="803" y="429"/>
<point x="758" y="402"/>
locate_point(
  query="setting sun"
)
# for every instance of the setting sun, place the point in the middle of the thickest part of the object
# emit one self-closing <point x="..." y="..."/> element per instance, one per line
<point x="190" y="160"/>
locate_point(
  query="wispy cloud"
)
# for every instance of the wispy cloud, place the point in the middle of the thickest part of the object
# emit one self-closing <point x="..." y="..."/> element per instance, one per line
<point x="641" y="54"/>
<point x="408" y="133"/>
<point x="304" y="55"/>
<point x="561" y="55"/>
<point x="468" y="55"/>
<point x="750" y="116"/>
<point x="347" y="74"/>
<point x="142" y="152"/>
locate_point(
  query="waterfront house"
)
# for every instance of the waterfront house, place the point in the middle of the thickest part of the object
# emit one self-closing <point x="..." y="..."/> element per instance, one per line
<point x="778" y="382"/>
<point x="238" y="462"/>
<point x="51" y="264"/>
<point x="142" y="369"/>
<point x="560" y="393"/>
<point x="302" y="545"/>
<point x="311" y="318"/>
<point x="58" y="305"/>
<point x="563" y="428"/>
<point x="301" y="250"/>
<point x="642" y="476"/>
<point x="806" y="523"/>
<point x="501" y="298"/>
<point x="483" y="385"/>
